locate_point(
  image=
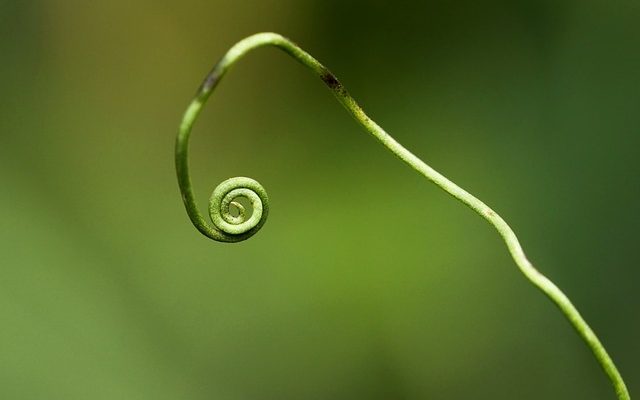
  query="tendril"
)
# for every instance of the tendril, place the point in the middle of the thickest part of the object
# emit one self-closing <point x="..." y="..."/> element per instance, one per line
<point x="229" y="228"/>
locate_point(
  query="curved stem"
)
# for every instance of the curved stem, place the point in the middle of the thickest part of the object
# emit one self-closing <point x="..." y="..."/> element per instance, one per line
<point x="530" y="272"/>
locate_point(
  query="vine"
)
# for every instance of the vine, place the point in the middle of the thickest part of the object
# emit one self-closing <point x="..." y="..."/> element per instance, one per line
<point x="228" y="227"/>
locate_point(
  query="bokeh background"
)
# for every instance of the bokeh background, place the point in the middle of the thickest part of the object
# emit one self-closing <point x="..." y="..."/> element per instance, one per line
<point x="367" y="282"/>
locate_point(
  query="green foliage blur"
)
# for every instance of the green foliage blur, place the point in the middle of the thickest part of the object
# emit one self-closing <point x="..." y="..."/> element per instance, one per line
<point x="367" y="282"/>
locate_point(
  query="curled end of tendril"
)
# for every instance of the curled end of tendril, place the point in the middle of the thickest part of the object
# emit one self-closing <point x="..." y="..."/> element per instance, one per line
<point x="243" y="223"/>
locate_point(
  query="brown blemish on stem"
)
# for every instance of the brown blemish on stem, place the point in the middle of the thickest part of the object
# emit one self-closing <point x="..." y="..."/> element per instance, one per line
<point x="210" y="81"/>
<point x="330" y="80"/>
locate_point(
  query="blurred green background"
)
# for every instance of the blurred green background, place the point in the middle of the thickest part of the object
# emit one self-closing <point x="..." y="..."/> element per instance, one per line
<point x="108" y="292"/>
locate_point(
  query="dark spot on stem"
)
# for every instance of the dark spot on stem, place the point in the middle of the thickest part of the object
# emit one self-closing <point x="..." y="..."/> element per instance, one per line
<point x="210" y="81"/>
<point x="330" y="80"/>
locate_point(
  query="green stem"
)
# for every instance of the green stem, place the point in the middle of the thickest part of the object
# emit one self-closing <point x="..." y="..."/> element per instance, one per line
<point x="229" y="228"/>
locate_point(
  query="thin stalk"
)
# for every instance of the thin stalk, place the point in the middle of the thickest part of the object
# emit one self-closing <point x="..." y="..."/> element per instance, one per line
<point x="229" y="228"/>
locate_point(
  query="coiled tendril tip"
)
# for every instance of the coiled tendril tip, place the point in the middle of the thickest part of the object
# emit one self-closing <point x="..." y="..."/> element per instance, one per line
<point x="223" y="198"/>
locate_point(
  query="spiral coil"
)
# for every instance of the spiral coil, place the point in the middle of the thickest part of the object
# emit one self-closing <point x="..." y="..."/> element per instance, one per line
<point x="223" y="198"/>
